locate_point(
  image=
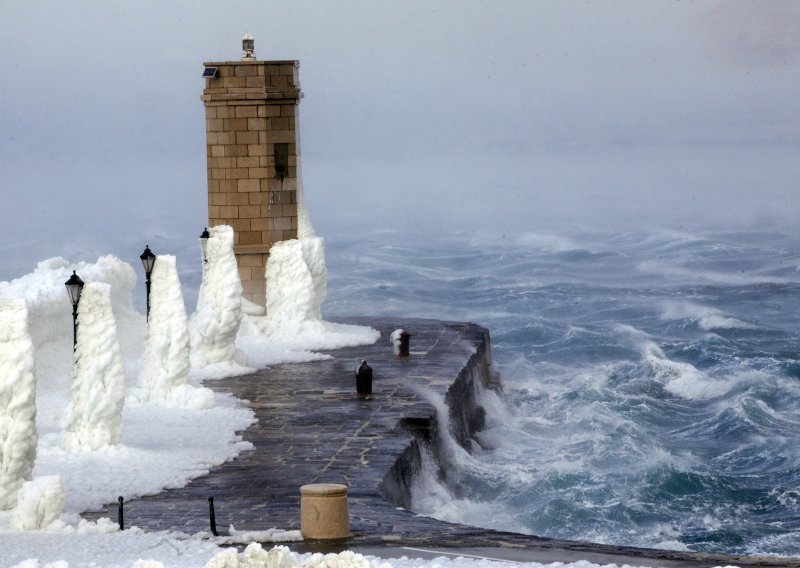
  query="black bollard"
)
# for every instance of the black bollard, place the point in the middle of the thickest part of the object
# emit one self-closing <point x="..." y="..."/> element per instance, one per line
<point x="405" y="340"/>
<point x="121" y="514"/>
<point x="364" y="379"/>
<point x="212" y="518"/>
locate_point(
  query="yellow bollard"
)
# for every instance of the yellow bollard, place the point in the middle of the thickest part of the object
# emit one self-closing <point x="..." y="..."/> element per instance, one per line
<point x="323" y="511"/>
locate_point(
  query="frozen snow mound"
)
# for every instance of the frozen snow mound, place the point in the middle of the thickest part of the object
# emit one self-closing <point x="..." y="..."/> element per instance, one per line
<point x="262" y="536"/>
<point x="165" y="364"/>
<point x="18" y="436"/>
<point x="41" y="502"/>
<point x="296" y="286"/>
<point x="254" y="556"/>
<point x="297" y="280"/>
<point x="215" y="324"/>
<point x="93" y="418"/>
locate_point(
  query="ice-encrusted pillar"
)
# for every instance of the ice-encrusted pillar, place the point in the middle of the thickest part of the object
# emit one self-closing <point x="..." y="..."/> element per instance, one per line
<point x="18" y="436"/>
<point x="93" y="418"/>
<point x="215" y="324"/>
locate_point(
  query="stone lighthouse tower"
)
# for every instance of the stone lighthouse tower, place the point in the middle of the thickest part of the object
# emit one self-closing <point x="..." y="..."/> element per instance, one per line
<point x="252" y="149"/>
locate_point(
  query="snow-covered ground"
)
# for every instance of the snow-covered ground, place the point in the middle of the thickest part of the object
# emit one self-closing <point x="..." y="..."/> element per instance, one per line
<point x="86" y="456"/>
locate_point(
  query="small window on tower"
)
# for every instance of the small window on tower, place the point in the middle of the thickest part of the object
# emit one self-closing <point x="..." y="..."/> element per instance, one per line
<point x="281" y="161"/>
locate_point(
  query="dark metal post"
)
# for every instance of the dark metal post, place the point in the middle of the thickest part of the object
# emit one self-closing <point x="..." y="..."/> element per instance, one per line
<point x="364" y="379"/>
<point x="121" y="514"/>
<point x="212" y="518"/>
<point x="147" y="285"/>
<point x="74" y="326"/>
<point x="405" y="340"/>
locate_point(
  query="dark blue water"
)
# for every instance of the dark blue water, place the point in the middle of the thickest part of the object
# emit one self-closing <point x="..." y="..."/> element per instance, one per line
<point x="652" y="379"/>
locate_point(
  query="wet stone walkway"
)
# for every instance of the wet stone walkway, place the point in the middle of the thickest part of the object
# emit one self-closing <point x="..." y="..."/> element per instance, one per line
<point x="312" y="427"/>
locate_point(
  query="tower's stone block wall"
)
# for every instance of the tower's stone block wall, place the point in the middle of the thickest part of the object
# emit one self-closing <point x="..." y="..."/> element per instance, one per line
<point x="251" y="143"/>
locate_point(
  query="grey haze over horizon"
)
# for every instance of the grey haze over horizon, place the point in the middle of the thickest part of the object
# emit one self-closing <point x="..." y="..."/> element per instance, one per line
<point x="448" y="116"/>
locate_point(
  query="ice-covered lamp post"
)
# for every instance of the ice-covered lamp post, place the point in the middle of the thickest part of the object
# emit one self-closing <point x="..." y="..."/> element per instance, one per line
<point x="204" y="243"/>
<point x="215" y="324"/>
<point x="93" y="417"/>
<point x="74" y="287"/>
<point x="148" y="260"/>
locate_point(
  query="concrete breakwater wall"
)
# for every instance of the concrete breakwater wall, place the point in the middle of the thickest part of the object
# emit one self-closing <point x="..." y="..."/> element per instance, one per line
<point x="466" y="416"/>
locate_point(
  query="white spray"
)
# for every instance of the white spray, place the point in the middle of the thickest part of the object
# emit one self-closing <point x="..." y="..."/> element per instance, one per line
<point x="304" y="228"/>
<point x="165" y="363"/>
<point x="93" y="419"/>
<point x="17" y="401"/>
<point x="395" y="339"/>
<point x="214" y="325"/>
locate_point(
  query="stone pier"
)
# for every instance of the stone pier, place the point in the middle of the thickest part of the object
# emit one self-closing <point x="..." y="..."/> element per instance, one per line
<point x="313" y="428"/>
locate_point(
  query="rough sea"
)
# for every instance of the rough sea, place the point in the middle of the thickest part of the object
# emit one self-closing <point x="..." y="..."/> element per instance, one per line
<point x="651" y="379"/>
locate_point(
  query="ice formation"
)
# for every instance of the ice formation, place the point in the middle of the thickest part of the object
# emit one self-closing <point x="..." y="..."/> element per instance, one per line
<point x="302" y="258"/>
<point x="254" y="556"/>
<point x="41" y="502"/>
<point x="216" y="322"/>
<point x="304" y="228"/>
<point x="165" y="363"/>
<point x="93" y="419"/>
<point x="17" y="401"/>
<point x="296" y="281"/>
<point x="296" y="286"/>
<point x="268" y="535"/>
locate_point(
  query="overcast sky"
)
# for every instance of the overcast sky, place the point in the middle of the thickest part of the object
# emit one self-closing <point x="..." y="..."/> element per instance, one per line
<point x="424" y="116"/>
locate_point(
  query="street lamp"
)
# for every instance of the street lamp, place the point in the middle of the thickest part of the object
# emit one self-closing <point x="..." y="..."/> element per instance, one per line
<point x="74" y="288"/>
<point x="148" y="260"/>
<point x="204" y="242"/>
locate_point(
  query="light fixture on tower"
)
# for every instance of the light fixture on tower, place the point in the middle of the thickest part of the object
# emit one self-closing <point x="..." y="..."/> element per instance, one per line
<point x="248" y="46"/>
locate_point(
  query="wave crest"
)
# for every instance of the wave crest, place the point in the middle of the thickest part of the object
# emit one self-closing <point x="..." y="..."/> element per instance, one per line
<point x="705" y="317"/>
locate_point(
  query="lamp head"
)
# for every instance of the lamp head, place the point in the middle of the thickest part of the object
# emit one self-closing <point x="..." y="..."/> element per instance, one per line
<point x="74" y="288"/>
<point x="148" y="260"/>
<point x="204" y="236"/>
